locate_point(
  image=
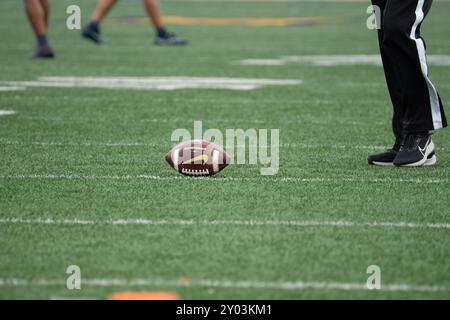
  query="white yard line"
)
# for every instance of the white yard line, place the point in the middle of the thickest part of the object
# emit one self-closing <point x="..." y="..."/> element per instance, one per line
<point x="83" y="144"/>
<point x="11" y="88"/>
<point x="428" y="180"/>
<point x="119" y="144"/>
<point x="222" y="122"/>
<point x="72" y="298"/>
<point x="7" y="112"/>
<point x="168" y="145"/>
<point x="281" y="1"/>
<point x="216" y="283"/>
<point x="153" y="83"/>
<point x="337" y="60"/>
<point x="248" y="223"/>
<point x="311" y="120"/>
<point x="224" y="102"/>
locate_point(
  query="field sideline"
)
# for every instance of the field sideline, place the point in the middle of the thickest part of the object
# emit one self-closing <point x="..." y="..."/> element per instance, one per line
<point x="83" y="179"/>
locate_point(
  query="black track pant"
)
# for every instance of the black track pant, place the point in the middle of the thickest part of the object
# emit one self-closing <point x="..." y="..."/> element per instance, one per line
<point x="417" y="105"/>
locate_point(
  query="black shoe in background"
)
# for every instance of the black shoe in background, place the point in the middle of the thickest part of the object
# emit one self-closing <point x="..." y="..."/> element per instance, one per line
<point x="92" y="32"/>
<point x="43" y="52"/>
<point x="166" y="38"/>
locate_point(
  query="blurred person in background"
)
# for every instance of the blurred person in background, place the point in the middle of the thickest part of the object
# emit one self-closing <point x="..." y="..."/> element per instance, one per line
<point x="38" y="12"/>
<point x="92" y="29"/>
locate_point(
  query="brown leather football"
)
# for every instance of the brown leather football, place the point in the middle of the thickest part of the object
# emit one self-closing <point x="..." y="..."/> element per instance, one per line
<point x="197" y="158"/>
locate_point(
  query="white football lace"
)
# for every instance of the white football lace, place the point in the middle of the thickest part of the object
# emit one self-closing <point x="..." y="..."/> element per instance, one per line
<point x="195" y="172"/>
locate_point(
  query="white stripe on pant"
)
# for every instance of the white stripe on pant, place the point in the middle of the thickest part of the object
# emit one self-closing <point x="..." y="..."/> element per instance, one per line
<point x="434" y="99"/>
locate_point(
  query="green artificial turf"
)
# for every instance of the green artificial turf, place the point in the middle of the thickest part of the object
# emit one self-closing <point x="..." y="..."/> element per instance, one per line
<point x="74" y="141"/>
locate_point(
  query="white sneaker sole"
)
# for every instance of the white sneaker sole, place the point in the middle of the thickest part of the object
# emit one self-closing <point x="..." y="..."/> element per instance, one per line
<point x="428" y="163"/>
<point x="382" y="164"/>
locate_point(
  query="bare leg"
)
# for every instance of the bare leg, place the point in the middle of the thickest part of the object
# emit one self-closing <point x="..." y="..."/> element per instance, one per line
<point x="162" y="36"/>
<point x="36" y="16"/>
<point x="38" y="13"/>
<point x="152" y="7"/>
<point x="102" y="10"/>
<point x="92" y="30"/>
<point x="46" y="7"/>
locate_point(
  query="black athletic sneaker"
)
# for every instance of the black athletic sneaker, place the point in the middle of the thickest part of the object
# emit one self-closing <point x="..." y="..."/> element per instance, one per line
<point x="415" y="150"/>
<point x="387" y="158"/>
<point x="43" y="52"/>
<point x="169" y="39"/>
<point x="92" y="32"/>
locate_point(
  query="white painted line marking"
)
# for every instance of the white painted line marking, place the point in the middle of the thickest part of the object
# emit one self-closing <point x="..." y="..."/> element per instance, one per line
<point x="7" y="112"/>
<point x="11" y="88"/>
<point x="83" y="144"/>
<point x="213" y="99"/>
<point x="225" y="179"/>
<point x="167" y="145"/>
<point x="214" y="283"/>
<point x="263" y="62"/>
<point x="292" y="120"/>
<point x="72" y="298"/>
<point x="250" y="223"/>
<point x="337" y="60"/>
<point x="278" y="1"/>
<point x="154" y="83"/>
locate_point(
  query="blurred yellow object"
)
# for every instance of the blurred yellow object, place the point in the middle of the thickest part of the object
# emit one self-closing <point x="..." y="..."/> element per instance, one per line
<point x="212" y="21"/>
<point x="144" y="296"/>
<point x="255" y="22"/>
